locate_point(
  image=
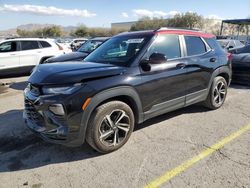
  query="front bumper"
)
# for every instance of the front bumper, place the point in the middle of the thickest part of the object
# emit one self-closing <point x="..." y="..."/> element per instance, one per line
<point x="49" y="126"/>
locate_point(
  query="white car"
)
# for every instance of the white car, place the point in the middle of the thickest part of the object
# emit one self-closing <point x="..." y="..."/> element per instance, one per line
<point x="20" y="55"/>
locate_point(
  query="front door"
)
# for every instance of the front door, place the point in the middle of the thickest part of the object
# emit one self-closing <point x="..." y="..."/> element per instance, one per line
<point x="164" y="86"/>
<point x="9" y="56"/>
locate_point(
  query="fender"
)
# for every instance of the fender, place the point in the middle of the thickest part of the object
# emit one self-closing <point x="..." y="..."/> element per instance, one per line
<point x="105" y="95"/>
<point x="218" y="71"/>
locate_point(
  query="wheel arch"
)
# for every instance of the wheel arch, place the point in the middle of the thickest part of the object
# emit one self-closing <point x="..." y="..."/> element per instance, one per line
<point x="44" y="58"/>
<point x="125" y="94"/>
<point x="224" y="72"/>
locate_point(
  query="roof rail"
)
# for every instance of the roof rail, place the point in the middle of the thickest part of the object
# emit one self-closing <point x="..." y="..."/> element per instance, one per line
<point x="178" y="28"/>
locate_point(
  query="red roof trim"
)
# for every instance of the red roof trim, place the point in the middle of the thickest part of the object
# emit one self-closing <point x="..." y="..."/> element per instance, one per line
<point x="186" y="32"/>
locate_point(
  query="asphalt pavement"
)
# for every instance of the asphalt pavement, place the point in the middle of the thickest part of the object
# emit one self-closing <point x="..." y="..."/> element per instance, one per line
<point x="155" y="150"/>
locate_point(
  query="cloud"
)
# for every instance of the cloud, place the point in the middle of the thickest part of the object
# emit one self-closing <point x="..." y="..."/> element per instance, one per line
<point x="43" y="10"/>
<point x="156" y="13"/>
<point x="125" y="14"/>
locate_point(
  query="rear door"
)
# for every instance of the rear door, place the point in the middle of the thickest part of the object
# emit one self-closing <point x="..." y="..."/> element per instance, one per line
<point x="9" y="55"/>
<point x="202" y="60"/>
<point x="31" y="53"/>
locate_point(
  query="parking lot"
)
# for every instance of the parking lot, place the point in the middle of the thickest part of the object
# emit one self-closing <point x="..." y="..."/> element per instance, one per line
<point x="155" y="150"/>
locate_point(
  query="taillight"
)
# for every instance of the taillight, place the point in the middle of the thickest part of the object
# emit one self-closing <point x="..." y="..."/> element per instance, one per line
<point x="229" y="56"/>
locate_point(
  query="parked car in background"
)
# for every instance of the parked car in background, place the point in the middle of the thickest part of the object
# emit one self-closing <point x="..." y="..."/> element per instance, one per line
<point x="132" y="77"/>
<point x="20" y="55"/>
<point x="230" y="44"/>
<point x="76" y="43"/>
<point x="81" y="53"/>
<point x="241" y="65"/>
<point x="65" y="43"/>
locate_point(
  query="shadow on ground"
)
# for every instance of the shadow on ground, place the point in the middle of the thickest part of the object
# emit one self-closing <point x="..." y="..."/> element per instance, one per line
<point x="19" y="85"/>
<point x="239" y="86"/>
<point x="20" y="149"/>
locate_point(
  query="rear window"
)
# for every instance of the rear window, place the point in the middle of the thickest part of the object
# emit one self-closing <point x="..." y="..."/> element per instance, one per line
<point x="194" y="45"/>
<point x="29" y="45"/>
<point x="45" y="44"/>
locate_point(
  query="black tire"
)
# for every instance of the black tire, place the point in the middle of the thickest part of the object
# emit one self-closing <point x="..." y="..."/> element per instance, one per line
<point x="216" y="99"/>
<point x="99" y="126"/>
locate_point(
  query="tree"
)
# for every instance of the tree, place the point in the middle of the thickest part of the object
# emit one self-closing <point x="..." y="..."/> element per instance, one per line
<point x="187" y="20"/>
<point x="81" y="31"/>
<point x="54" y="31"/>
<point x="147" y="23"/>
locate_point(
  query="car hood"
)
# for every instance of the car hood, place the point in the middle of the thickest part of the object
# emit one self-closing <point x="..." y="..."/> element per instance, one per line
<point x="72" y="72"/>
<point x="68" y="57"/>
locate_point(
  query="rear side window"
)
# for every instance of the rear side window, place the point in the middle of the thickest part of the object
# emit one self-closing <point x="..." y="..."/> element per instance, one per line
<point x="8" y="47"/>
<point x="194" y="45"/>
<point x="166" y="44"/>
<point x="29" y="45"/>
<point x="45" y="44"/>
<point x="213" y="44"/>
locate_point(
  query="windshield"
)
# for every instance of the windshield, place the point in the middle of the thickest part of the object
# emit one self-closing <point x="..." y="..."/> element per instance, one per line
<point x="90" y="46"/>
<point x="119" y="50"/>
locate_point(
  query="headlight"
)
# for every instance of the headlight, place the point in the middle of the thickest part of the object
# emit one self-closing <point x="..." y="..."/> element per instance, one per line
<point x="61" y="90"/>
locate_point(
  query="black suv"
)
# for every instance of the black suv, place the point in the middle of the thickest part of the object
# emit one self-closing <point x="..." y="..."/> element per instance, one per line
<point x="132" y="77"/>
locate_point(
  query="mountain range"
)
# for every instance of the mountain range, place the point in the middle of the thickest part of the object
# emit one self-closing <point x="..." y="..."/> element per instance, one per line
<point x="30" y="27"/>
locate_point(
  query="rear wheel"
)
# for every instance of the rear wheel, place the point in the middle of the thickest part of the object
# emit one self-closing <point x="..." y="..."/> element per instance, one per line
<point x="110" y="126"/>
<point x="217" y="93"/>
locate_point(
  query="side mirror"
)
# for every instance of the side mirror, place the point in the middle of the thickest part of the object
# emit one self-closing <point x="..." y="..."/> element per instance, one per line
<point x="157" y="58"/>
<point x="145" y="65"/>
<point x="230" y="47"/>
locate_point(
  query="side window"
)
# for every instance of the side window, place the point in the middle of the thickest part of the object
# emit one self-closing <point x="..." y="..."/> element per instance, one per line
<point x="213" y="44"/>
<point x="166" y="44"/>
<point x="10" y="46"/>
<point x="45" y="44"/>
<point x="29" y="45"/>
<point x="194" y="45"/>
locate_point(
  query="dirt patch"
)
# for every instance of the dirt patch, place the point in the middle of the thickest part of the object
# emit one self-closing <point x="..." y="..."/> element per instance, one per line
<point x="3" y="89"/>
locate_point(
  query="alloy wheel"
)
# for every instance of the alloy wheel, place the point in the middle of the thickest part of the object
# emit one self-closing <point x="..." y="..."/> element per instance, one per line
<point x="219" y="93"/>
<point x="114" y="128"/>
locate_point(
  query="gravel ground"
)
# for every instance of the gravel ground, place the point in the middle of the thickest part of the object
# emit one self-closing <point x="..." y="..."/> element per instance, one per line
<point x="155" y="147"/>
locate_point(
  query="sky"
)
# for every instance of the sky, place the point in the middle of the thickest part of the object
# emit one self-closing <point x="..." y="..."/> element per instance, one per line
<point x="101" y="13"/>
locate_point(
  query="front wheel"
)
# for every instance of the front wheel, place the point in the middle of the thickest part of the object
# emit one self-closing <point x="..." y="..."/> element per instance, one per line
<point x="217" y="93"/>
<point x="110" y="126"/>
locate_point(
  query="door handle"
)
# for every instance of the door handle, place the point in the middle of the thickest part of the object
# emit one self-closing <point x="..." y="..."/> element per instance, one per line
<point x="39" y="51"/>
<point x="213" y="59"/>
<point x="12" y="54"/>
<point x="181" y="65"/>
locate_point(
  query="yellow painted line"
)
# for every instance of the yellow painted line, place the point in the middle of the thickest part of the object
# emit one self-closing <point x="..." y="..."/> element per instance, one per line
<point x="185" y="165"/>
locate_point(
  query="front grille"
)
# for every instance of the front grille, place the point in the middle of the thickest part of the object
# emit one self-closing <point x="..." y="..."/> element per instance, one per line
<point x="32" y="113"/>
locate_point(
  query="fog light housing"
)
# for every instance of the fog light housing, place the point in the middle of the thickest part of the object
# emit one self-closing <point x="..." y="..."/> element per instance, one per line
<point x="57" y="109"/>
